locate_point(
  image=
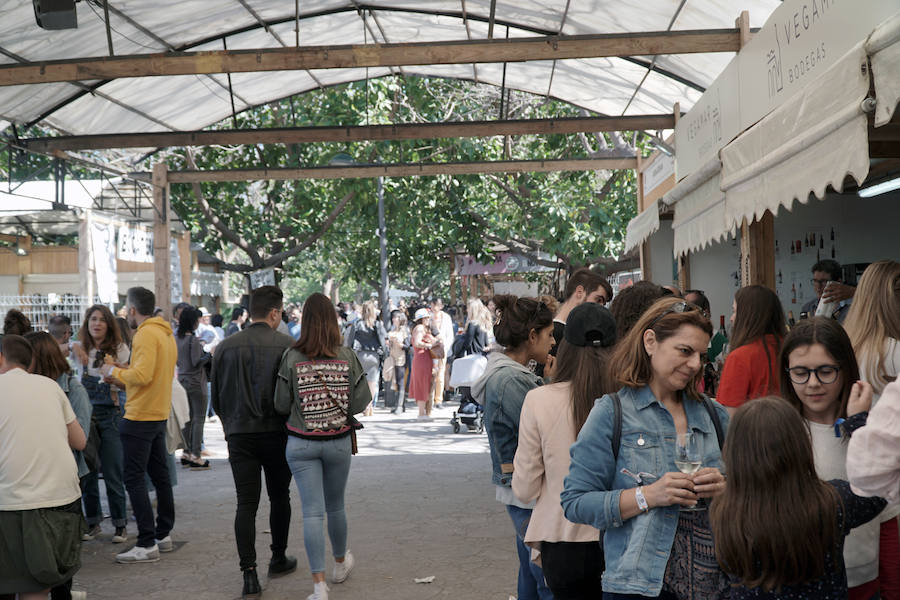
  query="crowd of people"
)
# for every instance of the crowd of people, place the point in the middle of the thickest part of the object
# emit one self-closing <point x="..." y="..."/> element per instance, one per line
<point x="629" y="465"/>
<point x="781" y="486"/>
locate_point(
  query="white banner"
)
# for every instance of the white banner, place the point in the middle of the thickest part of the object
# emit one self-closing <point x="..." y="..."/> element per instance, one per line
<point x="103" y="244"/>
<point x="135" y="244"/>
<point x="262" y="277"/>
<point x="800" y="41"/>
<point x="175" y="270"/>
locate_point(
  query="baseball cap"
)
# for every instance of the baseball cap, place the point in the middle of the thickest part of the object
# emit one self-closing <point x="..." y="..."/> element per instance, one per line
<point x="590" y="324"/>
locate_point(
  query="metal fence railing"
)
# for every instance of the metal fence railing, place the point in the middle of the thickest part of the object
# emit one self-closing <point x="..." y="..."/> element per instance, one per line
<point x="40" y="307"/>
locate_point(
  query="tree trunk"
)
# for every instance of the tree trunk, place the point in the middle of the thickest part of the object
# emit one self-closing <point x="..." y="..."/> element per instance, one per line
<point x="328" y="285"/>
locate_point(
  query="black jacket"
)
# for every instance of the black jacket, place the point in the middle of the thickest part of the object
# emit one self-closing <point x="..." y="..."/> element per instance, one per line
<point x="244" y="371"/>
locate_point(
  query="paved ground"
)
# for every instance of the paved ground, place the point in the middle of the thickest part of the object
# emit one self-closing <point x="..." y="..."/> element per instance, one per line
<point x="419" y="503"/>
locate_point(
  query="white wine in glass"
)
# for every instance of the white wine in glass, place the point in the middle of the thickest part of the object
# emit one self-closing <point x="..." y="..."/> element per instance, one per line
<point x="687" y="453"/>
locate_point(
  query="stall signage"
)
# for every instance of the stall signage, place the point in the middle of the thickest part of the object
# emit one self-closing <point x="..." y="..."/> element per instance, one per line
<point x="798" y="43"/>
<point x="659" y="170"/>
<point x="800" y="40"/>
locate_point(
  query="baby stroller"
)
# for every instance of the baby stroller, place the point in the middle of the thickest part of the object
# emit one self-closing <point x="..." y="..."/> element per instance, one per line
<point x="469" y="413"/>
<point x="466" y="371"/>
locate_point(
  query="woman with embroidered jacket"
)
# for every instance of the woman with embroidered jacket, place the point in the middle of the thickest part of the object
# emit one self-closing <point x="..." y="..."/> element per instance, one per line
<point x="634" y="492"/>
<point x="321" y="385"/>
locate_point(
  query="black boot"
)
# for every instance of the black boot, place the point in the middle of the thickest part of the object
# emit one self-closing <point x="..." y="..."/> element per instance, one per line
<point x="252" y="591"/>
<point x="282" y="565"/>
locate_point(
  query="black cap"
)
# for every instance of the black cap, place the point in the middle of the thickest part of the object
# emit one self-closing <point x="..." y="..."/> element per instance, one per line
<point x="590" y="324"/>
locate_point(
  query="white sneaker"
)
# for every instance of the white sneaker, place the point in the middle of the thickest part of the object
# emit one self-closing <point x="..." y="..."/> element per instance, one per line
<point x="320" y="592"/>
<point x="165" y="544"/>
<point x="342" y="569"/>
<point x="139" y="554"/>
<point x="79" y="595"/>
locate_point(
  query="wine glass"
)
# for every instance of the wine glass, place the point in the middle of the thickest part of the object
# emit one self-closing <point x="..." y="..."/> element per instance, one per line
<point x="688" y="458"/>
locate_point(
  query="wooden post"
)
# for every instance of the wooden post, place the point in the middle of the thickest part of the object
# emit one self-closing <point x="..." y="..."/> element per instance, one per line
<point x="452" y="278"/>
<point x="758" y="251"/>
<point x="23" y="261"/>
<point x="758" y="237"/>
<point x="644" y="250"/>
<point x="684" y="261"/>
<point x="162" y="270"/>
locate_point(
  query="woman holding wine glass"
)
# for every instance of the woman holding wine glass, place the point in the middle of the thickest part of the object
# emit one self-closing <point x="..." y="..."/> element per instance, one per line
<point x="623" y="477"/>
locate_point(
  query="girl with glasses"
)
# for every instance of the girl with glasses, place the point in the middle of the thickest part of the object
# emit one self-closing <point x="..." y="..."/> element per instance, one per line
<point x="821" y="381"/>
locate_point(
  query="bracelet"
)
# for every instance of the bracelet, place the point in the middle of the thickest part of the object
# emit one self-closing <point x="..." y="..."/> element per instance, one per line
<point x="641" y="501"/>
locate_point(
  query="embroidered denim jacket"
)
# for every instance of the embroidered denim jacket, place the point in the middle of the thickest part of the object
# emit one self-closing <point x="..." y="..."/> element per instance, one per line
<point x="638" y="549"/>
<point x="501" y="391"/>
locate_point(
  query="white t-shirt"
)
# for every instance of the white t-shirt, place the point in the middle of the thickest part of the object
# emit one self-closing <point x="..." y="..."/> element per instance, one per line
<point x="861" y="545"/>
<point x="37" y="469"/>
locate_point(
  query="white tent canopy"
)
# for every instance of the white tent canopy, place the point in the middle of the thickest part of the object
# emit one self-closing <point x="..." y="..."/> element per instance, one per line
<point x="610" y="86"/>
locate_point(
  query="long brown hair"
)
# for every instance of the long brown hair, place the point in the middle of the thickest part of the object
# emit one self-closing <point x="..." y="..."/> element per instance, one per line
<point x="113" y="338"/>
<point x="584" y="367"/>
<point x="320" y="336"/>
<point x="829" y="333"/>
<point x="46" y="358"/>
<point x="759" y="314"/>
<point x="630" y="365"/>
<point x="776" y="520"/>
<point x="874" y="317"/>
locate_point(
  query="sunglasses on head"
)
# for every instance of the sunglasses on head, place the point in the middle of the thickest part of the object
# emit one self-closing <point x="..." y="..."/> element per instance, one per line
<point x="678" y="307"/>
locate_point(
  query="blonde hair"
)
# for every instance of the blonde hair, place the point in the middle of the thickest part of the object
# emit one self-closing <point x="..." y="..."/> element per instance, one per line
<point x="479" y="314"/>
<point x="874" y="317"/>
<point x="368" y="313"/>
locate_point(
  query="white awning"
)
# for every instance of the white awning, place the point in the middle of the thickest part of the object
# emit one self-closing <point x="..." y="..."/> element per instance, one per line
<point x="814" y="139"/>
<point x="699" y="209"/>
<point x="641" y="227"/>
<point x="883" y="47"/>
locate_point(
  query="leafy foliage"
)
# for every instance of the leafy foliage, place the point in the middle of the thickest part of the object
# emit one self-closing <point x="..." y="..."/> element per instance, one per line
<point x="570" y="215"/>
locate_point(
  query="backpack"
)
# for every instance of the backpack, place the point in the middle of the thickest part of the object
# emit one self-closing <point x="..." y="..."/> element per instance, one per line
<point x="617" y="419"/>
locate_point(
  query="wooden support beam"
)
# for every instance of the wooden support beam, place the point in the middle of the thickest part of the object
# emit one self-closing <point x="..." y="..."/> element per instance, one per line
<point x="404" y="170"/>
<point x="400" y="131"/>
<point x="373" y="55"/>
<point x="162" y="257"/>
<point x="758" y="251"/>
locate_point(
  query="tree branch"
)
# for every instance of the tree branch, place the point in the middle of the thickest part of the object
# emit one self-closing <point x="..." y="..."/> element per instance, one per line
<point x="332" y="217"/>
<point x="227" y="233"/>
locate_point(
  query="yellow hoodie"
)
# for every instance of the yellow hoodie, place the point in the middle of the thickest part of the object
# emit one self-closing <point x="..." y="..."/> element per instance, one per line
<point x="148" y="380"/>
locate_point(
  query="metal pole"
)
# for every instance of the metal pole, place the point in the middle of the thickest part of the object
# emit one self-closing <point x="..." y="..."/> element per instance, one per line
<point x="382" y="242"/>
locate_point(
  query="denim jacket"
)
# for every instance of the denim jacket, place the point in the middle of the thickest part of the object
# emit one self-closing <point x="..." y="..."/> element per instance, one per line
<point x="638" y="549"/>
<point x="501" y="391"/>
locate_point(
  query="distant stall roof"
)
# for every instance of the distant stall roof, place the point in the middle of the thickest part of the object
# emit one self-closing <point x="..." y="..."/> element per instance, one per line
<point x="609" y="86"/>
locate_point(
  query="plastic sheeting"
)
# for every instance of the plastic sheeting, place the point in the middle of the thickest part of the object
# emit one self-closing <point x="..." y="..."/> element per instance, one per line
<point x="606" y="86"/>
<point x="813" y="140"/>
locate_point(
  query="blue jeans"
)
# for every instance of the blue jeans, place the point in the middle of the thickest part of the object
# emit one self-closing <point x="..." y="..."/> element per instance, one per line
<point x="615" y="596"/>
<point x="321" y="468"/>
<point x="144" y="450"/>
<point x="531" y="584"/>
<point x="107" y="417"/>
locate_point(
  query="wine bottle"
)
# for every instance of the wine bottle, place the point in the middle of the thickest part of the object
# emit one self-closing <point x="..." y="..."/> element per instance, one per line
<point x="791" y="318"/>
<point x="718" y="341"/>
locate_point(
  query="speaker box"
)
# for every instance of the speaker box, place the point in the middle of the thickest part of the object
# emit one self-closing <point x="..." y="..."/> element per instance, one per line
<point x="55" y="14"/>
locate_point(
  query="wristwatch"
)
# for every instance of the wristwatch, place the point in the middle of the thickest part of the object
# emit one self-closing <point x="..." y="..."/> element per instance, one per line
<point x="641" y="501"/>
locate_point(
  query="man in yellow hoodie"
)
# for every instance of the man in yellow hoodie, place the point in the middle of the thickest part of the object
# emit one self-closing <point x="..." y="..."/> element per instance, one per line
<point x="148" y="388"/>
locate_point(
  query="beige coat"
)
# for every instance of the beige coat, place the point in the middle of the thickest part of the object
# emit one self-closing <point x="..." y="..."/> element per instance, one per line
<point x="546" y="430"/>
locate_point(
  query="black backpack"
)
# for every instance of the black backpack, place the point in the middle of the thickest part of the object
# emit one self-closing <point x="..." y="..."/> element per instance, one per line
<point x="617" y="418"/>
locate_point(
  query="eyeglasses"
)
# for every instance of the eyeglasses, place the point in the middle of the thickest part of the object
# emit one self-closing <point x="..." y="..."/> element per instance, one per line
<point x="825" y="374"/>
<point x="678" y="307"/>
<point x="819" y="281"/>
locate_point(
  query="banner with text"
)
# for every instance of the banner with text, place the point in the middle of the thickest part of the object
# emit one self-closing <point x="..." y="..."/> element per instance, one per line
<point x="799" y="41"/>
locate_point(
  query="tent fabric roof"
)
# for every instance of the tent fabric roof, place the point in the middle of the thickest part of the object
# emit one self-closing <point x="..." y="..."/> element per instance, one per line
<point x="610" y="86"/>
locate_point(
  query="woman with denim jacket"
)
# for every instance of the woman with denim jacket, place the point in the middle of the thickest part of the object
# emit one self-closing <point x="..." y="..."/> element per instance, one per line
<point x="525" y="330"/>
<point x="634" y="493"/>
<point x="100" y="339"/>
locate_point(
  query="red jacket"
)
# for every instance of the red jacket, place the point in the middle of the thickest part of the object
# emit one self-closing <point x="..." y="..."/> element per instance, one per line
<point x="749" y="374"/>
